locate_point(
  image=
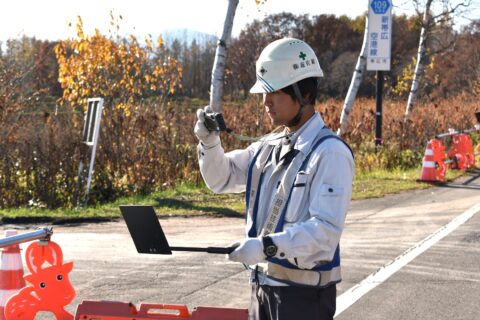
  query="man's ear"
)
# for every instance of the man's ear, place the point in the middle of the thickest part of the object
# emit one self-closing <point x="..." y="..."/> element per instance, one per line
<point x="307" y="98"/>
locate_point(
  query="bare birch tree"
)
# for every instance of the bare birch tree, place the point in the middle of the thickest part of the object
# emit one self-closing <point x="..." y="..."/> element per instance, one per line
<point x="218" y="71"/>
<point x="428" y="22"/>
<point x="355" y="83"/>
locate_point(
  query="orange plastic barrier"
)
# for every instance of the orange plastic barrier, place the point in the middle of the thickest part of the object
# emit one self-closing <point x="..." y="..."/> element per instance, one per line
<point x="211" y="313"/>
<point x="438" y="157"/>
<point x="51" y="289"/>
<point x="461" y="152"/>
<point x="113" y="310"/>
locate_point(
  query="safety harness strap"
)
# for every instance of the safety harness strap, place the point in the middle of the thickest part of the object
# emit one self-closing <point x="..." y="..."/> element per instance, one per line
<point x="282" y="269"/>
<point x="282" y="196"/>
<point x="254" y="182"/>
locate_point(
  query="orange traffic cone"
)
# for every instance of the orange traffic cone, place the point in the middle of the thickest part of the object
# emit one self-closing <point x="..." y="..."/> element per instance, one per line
<point x="11" y="273"/>
<point x="428" y="167"/>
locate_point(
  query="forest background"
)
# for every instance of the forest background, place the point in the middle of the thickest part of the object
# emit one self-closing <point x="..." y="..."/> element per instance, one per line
<point x="152" y="88"/>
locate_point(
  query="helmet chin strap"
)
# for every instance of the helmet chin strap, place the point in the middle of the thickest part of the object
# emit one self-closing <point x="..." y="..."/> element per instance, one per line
<point x="298" y="116"/>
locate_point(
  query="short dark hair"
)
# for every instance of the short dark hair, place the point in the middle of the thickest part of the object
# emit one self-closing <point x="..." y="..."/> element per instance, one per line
<point x="308" y="88"/>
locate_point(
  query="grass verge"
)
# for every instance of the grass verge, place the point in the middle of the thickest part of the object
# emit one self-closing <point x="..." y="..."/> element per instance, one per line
<point x="379" y="183"/>
<point x="193" y="200"/>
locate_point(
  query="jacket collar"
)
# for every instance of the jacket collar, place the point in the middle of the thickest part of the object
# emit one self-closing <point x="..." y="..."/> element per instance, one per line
<point x="304" y="137"/>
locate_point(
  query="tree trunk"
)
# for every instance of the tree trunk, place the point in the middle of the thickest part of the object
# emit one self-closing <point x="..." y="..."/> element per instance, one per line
<point x="218" y="71"/>
<point x="420" y="59"/>
<point x="355" y="83"/>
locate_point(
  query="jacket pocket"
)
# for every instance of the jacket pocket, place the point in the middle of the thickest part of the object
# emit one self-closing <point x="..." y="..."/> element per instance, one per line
<point x="297" y="197"/>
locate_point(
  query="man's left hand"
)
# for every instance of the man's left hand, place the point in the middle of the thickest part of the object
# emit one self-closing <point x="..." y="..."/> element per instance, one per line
<point x="249" y="251"/>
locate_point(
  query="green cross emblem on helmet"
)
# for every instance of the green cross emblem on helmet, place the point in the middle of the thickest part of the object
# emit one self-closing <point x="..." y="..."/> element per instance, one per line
<point x="302" y="55"/>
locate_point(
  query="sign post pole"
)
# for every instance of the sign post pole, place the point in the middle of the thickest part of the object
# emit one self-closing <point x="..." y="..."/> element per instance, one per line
<point x="379" y="52"/>
<point x="378" y="112"/>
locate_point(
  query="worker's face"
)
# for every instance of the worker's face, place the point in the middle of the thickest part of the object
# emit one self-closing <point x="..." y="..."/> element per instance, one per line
<point x="280" y="107"/>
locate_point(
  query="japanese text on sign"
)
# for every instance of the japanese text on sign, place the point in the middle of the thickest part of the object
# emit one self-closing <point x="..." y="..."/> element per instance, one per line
<point x="379" y="35"/>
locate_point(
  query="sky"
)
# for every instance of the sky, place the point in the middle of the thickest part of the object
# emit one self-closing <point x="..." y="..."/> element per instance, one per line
<point x="49" y="19"/>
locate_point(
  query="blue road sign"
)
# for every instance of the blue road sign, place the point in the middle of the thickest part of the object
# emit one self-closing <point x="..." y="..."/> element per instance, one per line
<point x="380" y="6"/>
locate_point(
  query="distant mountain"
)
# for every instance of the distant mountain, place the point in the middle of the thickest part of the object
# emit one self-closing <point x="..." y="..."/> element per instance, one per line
<point x="186" y="35"/>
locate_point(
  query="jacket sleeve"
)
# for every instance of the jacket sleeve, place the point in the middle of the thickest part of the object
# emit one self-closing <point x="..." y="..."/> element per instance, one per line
<point x="314" y="240"/>
<point x="225" y="172"/>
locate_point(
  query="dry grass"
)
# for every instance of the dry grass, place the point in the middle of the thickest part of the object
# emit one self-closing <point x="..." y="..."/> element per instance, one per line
<point x="154" y="148"/>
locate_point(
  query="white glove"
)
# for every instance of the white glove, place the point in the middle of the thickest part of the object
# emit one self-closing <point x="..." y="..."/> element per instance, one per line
<point x="250" y="251"/>
<point x="209" y="139"/>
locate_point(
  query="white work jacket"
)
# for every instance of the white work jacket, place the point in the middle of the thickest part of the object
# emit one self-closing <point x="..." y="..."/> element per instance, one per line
<point x="315" y="215"/>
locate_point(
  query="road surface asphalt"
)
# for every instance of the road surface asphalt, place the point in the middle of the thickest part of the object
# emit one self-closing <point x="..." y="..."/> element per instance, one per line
<point x="441" y="283"/>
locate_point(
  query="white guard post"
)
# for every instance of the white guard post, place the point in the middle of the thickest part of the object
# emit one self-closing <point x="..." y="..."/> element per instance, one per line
<point x="91" y="131"/>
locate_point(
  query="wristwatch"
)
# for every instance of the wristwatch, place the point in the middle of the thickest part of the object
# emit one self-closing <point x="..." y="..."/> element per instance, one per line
<point x="269" y="248"/>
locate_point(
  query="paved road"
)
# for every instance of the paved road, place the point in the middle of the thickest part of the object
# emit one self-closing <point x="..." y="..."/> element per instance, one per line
<point x="441" y="283"/>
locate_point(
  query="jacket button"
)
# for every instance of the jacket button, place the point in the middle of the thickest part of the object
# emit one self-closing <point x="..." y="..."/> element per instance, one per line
<point x="330" y="190"/>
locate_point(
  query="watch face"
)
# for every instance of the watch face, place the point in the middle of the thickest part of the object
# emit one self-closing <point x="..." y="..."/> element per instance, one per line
<point x="270" y="251"/>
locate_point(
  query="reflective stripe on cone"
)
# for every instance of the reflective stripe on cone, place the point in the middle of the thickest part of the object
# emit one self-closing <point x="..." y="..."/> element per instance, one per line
<point x="428" y="165"/>
<point x="11" y="273"/>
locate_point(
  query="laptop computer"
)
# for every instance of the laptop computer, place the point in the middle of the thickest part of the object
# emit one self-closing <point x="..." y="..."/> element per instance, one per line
<point x="148" y="236"/>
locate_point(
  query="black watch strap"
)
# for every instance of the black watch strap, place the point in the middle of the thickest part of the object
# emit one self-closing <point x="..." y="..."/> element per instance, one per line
<point x="269" y="247"/>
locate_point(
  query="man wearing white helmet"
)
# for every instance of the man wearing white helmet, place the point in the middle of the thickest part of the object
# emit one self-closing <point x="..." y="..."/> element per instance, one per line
<point x="298" y="185"/>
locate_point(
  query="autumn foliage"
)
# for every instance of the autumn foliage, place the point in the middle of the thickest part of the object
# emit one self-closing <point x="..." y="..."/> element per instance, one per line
<point x="160" y="148"/>
<point x="118" y="69"/>
<point x="152" y="90"/>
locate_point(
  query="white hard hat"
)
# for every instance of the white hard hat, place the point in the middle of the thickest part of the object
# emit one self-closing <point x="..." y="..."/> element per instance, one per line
<point x="284" y="62"/>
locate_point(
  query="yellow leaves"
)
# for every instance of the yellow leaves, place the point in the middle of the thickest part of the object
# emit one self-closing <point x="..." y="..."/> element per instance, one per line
<point x="404" y="80"/>
<point x="59" y="49"/>
<point x="115" y="68"/>
<point x="82" y="47"/>
<point x="125" y="108"/>
<point x="80" y="33"/>
<point x="476" y="88"/>
<point x="149" y="42"/>
<point x="431" y="65"/>
<point x="160" y="42"/>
